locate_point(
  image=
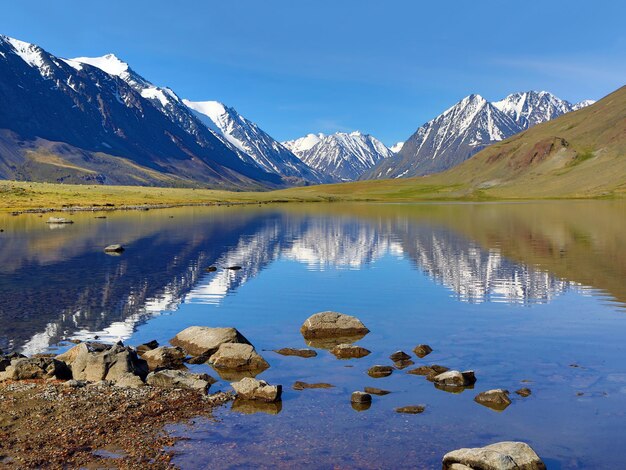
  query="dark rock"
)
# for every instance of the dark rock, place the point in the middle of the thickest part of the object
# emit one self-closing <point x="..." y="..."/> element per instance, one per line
<point x="360" y="397"/>
<point x="399" y="356"/>
<point x="296" y="352"/>
<point x="422" y="350"/>
<point x="303" y="385"/>
<point x="403" y="364"/>
<point x="149" y="346"/>
<point x="411" y="409"/>
<point x="114" y="249"/>
<point x="524" y="392"/>
<point x="380" y="371"/>
<point x="428" y="370"/>
<point x="499" y="456"/>
<point x="376" y="391"/>
<point x="234" y="268"/>
<point x="211" y="269"/>
<point x="197" y="360"/>
<point x="349" y="351"/>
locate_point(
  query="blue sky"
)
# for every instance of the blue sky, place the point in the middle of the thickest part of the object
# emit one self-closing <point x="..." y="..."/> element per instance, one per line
<point x="304" y="66"/>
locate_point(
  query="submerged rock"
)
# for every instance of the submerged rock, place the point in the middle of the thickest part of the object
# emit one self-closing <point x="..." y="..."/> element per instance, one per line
<point x="249" y="407"/>
<point x="36" y="368"/>
<point x="360" y="397"/>
<point x="333" y="325"/>
<point x="303" y="385"/>
<point x="422" y="350"/>
<point x="205" y="341"/>
<point x="379" y="371"/>
<point x="524" y="392"/>
<point x="497" y="399"/>
<point x="499" y="456"/>
<point x="403" y="364"/>
<point x="411" y="409"/>
<point x="349" y="351"/>
<point x="399" y="356"/>
<point x="376" y="391"/>
<point x="428" y="371"/>
<point x="180" y="379"/>
<point x="296" y="352"/>
<point x="253" y="389"/>
<point x="164" y="357"/>
<point x="238" y="357"/>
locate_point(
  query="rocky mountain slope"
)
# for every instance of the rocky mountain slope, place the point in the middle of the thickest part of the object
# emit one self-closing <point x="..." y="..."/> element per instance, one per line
<point x="252" y="141"/>
<point x="342" y="156"/>
<point x="466" y="128"/>
<point x="95" y="120"/>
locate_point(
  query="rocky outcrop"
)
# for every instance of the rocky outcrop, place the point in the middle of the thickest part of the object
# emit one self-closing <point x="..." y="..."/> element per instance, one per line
<point x="164" y="358"/>
<point x="94" y="362"/>
<point x="238" y="357"/>
<point x="499" y="456"/>
<point x="253" y="389"/>
<point x="496" y="399"/>
<point x="349" y="351"/>
<point x="333" y="325"/>
<point x="180" y="379"/>
<point x="205" y="341"/>
<point x="36" y="368"/>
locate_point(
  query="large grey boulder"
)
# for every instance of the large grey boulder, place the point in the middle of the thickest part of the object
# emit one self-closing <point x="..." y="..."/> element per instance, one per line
<point x="180" y="379"/>
<point x="164" y="357"/>
<point x="500" y="456"/>
<point x="205" y="341"/>
<point x="36" y="368"/>
<point x="94" y="362"/>
<point x="253" y="389"/>
<point x="332" y="325"/>
<point x="238" y="357"/>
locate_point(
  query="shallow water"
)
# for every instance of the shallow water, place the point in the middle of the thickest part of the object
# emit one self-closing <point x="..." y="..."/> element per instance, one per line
<point x="529" y="294"/>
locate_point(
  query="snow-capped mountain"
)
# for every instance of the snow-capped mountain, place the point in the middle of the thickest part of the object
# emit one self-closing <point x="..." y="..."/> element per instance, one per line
<point x="395" y="148"/>
<point x="251" y="140"/>
<point x="301" y="145"/>
<point x="71" y="121"/>
<point x="466" y="128"/>
<point x="342" y="156"/>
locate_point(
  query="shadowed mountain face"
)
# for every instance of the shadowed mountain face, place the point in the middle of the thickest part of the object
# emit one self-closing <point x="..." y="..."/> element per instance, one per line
<point x="57" y="283"/>
<point x="64" y="121"/>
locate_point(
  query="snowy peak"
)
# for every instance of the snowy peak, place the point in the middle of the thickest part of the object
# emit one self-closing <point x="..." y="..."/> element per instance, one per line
<point x="582" y="104"/>
<point x="107" y="63"/>
<point x="395" y="148"/>
<point x="250" y="139"/>
<point x="533" y="107"/>
<point x="301" y="145"/>
<point x="343" y="156"/>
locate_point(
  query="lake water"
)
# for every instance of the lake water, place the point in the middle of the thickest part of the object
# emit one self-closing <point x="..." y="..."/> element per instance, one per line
<point x="525" y="294"/>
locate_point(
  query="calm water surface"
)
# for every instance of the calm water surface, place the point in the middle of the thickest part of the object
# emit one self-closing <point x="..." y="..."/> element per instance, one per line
<point x="529" y="294"/>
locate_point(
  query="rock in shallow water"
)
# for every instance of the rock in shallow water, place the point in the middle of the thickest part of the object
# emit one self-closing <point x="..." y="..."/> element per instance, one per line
<point x="205" y="341"/>
<point x="524" y="392"/>
<point x="379" y="371"/>
<point x="422" y="350"/>
<point x="376" y="391"/>
<point x="332" y="324"/>
<point x="360" y="397"/>
<point x="253" y="389"/>
<point x="454" y="378"/>
<point x="180" y="379"/>
<point x="411" y="409"/>
<point x="499" y="456"/>
<point x="303" y="385"/>
<point x="238" y="357"/>
<point x="349" y="351"/>
<point x="496" y="399"/>
<point x="399" y="356"/>
<point x="114" y="248"/>
<point x="296" y="352"/>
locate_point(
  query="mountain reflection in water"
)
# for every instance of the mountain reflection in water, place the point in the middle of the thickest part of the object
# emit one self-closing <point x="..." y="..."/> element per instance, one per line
<point x="58" y="284"/>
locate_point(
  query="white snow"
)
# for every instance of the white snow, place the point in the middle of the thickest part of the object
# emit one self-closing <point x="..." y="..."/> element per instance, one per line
<point x="396" y="147"/>
<point x="108" y="63"/>
<point x="301" y="145"/>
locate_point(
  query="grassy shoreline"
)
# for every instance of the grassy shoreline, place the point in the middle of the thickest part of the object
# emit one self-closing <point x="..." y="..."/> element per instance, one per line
<point x="24" y="197"/>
